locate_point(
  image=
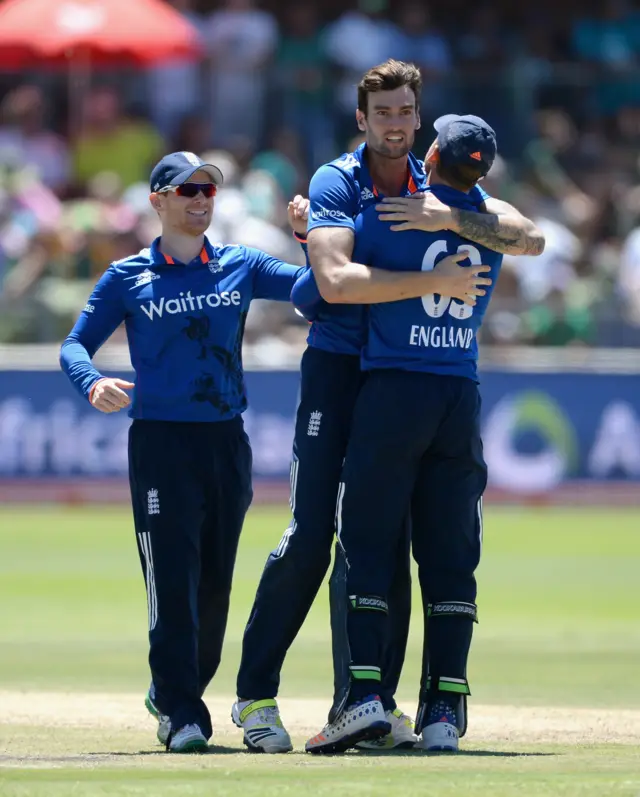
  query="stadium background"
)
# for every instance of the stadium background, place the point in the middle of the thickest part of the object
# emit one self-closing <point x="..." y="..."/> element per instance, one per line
<point x="555" y="707"/>
<point x="270" y="98"/>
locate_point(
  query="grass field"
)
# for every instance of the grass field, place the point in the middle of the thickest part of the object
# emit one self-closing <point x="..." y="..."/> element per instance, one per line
<point x="554" y="669"/>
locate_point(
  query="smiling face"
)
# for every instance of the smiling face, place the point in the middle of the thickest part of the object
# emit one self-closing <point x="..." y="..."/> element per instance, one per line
<point x="391" y="121"/>
<point x="185" y="215"/>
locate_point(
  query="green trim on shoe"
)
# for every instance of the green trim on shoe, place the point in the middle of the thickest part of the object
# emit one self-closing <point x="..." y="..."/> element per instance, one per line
<point x="195" y="746"/>
<point x="151" y="708"/>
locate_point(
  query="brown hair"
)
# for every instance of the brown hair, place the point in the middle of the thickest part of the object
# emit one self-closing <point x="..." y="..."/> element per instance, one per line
<point x="388" y="76"/>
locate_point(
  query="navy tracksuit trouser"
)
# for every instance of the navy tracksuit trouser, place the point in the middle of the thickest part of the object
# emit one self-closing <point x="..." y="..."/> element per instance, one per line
<point x="294" y="571"/>
<point x="415" y="442"/>
<point x="190" y="489"/>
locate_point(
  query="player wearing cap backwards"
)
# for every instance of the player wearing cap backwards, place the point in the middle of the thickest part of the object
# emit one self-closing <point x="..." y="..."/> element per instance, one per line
<point x="415" y="445"/>
<point x="184" y="302"/>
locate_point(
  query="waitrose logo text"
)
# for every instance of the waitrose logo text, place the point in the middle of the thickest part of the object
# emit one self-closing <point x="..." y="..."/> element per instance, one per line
<point x="187" y="303"/>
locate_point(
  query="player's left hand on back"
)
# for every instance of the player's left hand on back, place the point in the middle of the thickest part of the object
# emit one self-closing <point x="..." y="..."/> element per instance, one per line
<point x="417" y="212"/>
<point x="298" y="212"/>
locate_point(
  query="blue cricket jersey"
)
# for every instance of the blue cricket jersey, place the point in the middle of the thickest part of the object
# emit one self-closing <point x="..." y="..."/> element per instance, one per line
<point x="185" y="325"/>
<point x="339" y="193"/>
<point x="435" y="334"/>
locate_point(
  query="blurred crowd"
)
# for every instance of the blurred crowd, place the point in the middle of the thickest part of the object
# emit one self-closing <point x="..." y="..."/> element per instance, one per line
<point x="274" y="97"/>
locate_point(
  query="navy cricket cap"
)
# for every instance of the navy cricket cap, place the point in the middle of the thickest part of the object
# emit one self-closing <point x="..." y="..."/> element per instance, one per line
<point x="178" y="167"/>
<point x="466" y="140"/>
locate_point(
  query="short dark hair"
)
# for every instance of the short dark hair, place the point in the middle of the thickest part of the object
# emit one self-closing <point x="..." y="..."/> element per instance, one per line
<point x="388" y="76"/>
<point x="462" y="176"/>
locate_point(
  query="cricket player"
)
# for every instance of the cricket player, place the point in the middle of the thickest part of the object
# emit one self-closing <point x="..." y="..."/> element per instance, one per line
<point x="331" y="379"/>
<point x="415" y="442"/>
<point x="184" y="302"/>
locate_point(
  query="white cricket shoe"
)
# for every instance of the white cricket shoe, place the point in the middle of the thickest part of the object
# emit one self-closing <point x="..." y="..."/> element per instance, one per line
<point x="164" y="723"/>
<point x="359" y="722"/>
<point x="440" y="735"/>
<point x="188" y="739"/>
<point x="262" y="726"/>
<point x="401" y="736"/>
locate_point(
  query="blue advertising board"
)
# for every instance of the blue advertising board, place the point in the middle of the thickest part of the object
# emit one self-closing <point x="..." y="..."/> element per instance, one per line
<point x="540" y="429"/>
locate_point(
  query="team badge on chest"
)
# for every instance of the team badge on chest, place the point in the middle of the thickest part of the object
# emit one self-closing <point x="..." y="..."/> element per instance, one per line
<point x="215" y="266"/>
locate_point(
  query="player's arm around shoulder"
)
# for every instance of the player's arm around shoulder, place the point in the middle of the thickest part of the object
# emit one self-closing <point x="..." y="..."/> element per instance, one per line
<point x="101" y="316"/>
<point x="498" y="225"/>
<point x="341" y="281"/>
<point x="334" y="204"/>
<point x="528" y="238"/>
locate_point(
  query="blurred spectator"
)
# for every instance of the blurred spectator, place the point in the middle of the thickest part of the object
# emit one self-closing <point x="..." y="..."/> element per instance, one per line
<point x="111" y="142"/>
<point x="484" y="42"/>
<point x="552" y="155"/>
<point x="606" y="37"/>
<point x="558" y="323"/>
<point x="423" y="44"/>
<point x="303" y="83"/>
<point x="554" y="269"/>
<point x="241" y="41"/>
<point x="356" y="41"/>
<point x="284" y="162"/>
<point x="629" y="277"/>
<point x="175" y="86"/>
<point x="25" y="140"/>
<point x="560" y="83"/>
<point x="485" y="50"/>
<point x="193" y="133"/>
<point x="609" y="40"/>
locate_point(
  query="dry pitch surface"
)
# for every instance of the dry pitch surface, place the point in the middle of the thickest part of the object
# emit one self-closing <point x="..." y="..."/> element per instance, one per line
<point x="55" y="744"/>
<point x="26" y="716"/>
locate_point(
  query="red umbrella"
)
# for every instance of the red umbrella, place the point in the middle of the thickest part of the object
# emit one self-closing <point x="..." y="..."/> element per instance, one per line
<point x="105" y="32"/>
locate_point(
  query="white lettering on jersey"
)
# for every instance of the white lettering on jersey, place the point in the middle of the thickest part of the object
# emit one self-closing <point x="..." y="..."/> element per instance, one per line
<point x="436" y="308"/>
<point x="441" y="337"/>
<point x="143" y="278"/>
<point x="326" y="213"/>
<point x="188" y="303"/>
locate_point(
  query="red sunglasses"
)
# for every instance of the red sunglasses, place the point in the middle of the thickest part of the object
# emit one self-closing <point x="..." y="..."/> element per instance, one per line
<point x="190" y="190"/>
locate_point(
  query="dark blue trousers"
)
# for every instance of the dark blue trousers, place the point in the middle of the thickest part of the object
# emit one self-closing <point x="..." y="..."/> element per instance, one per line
<point x="294" y="571"/>
<point x="415" y="442"/>
<point x="190" y="489"/>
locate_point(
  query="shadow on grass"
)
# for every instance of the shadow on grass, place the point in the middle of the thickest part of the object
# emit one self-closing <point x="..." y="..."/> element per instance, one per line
<point x="100" y="755"/>
<point x="214" y="749"/>
<point x="464" y="753"/>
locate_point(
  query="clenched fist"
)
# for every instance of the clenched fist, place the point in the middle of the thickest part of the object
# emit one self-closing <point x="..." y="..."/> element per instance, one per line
<point x="298" y="212"/>
<point x="108" y="395"/>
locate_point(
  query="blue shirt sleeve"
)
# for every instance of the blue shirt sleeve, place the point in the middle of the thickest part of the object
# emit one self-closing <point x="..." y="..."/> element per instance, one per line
<point x="102" y="315"/>
<point x="333" y="201"/>
<point x="272" y="279"/>
<point x="306" y="296"/>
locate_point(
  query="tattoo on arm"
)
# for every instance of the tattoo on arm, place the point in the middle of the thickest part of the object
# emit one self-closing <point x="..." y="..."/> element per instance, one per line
<point x="507" y="235"/>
